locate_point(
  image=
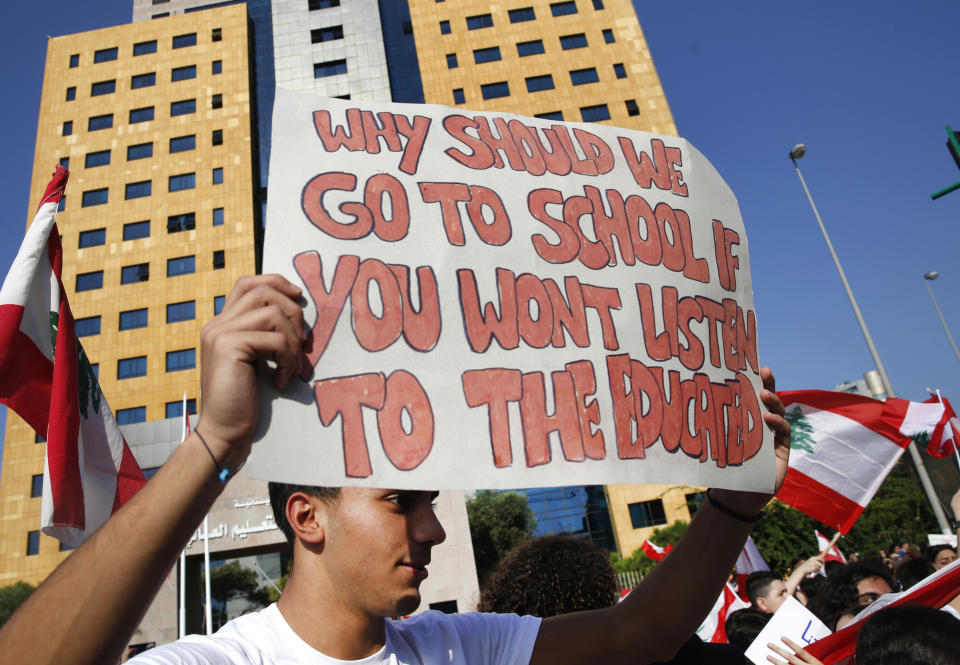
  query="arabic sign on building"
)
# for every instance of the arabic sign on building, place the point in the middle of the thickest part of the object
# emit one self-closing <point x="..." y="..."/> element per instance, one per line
<point x="500" y="301"/>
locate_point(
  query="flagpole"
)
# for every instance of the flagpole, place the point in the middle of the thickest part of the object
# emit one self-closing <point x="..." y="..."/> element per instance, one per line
<point x="183" y="552"/>
<point x="799" y="151"/>
<point x="208" y="610"/>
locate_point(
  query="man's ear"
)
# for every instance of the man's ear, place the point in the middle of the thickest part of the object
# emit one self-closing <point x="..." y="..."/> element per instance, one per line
<point x="307" y="516"/>
<point x="762" y="605"/>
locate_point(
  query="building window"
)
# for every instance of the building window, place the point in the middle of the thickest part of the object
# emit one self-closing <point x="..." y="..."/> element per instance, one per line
<point x="521" y="15"/>
<point x="139" y="151"/>
<point x="74" y="60"/>
<point x="584" y="76"/>
<point x="67" y="128"/>
<point x="135" y="230"/>
<point x="479" y="21"/>
<point x="63" y="202"/>
<point x="175" y="409"/>
<point x="646" y="513"/>
<point x="216" y="67"/>
<point x="105" y="54"/>
<point x="182" y="265"/>
<point x="71" y="93"/>
<point x="495" y="90"/>
<point x="98" y="122"/>
<point x="66" y="548"/>
<point x="444" y="27"/>
<point x="33" y="543"/>
<point x="594" y="113"/>
<point x="182" y="41"/>
<point x="534" y="47"/>
<point x="183" y="222"/>
<point x="143" y="80"/>
<point x="183" y="107"/>
<point x="218" y="175"/>
<point x="490" y="54"/>
<point x="178" y="361"/>
<point x="133" y="318"/>
<point x="216" y="101"/>
<point x="94" y="159"/>
<point x="632" y="108"/>
<point x="128" y="368"/>
<point x="88" y="281"/>
<point x="217" y="33"/>
<point x="452" y="61"/>
<point x="329" y="68"/>
<point x="570" y="42"/>
<point x="137" y="190"/>
<point x="36" y="485"/>
<point x="143" y="48"/>
<point x="65" y="163"/>
<point x="218" y="303"/>
<point x="694" y="501"/>
<point x="218" y="216"/>
<point x="563" y="8"/>
<point x="139" y="272"/>
<point x="181" y="311"/>
<point x="87" y="326"/>
<point x="96" y="369"/>
<point x="38" y="439"/>
<point x="330" y="34"/>
<point x="608" y="36"/>
<point x="137" y="414"/>
<point x="550" y="115"/>
<point x="93" y="238"/>
<point x="103" y="88"/>
<point x="183" y="143"/>
<point x="216" y="137"/>
<point x="458" y="96"/>
<point x="219" y="260"/>
<point x="620" y="70"/>
<point x="94" y="197"/>
<point x="183" y="73"/>
<point x="182" y="181"/>
<point x="538" y="83"/>
<point x="598" y="4"/>
<point x="322" y="4"/>
<point x="144" y="114"/>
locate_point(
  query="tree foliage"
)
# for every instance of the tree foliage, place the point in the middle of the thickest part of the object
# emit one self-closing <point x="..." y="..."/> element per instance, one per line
<point x="11" y="597"/>
<point x="498" y="522"/>
<point x="638" y="560"/>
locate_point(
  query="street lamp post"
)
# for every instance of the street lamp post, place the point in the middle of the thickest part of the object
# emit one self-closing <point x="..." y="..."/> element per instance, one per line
<point x="799" y="151"/>
<point x="929" y="277"/>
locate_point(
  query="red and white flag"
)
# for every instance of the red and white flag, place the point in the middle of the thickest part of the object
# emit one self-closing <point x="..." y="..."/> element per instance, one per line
<point x="841" y="450"/>
<point x="655" y="552"/>
<point x="932" y="424"/>
<point x="749" y="561"/>
<point x="728" y="602"/>
<point x="830" y="552"/>
<point x="89" y="471"/>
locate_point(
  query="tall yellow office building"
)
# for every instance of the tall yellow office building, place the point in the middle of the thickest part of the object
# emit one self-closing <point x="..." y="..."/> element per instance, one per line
<point x="153" y="121"/>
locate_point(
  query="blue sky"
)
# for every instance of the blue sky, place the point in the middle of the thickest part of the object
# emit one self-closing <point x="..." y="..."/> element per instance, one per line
<point x="867" y="86"/>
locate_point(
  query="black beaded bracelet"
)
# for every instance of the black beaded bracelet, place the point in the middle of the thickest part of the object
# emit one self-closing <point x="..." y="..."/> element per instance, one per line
<point x="223" y="473"/>
<point x="730" y="512"/>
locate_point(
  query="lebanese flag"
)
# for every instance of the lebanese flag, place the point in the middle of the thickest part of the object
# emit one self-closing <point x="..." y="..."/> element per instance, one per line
<point x="655" y="552"/>
<point x="749" y="561"/>
<point x="727" y="603"/>
<point x="932" y="424"/>
<point x="831" y="553"/>
<point x="45" y="376"/>
<point x="841" y="450"/>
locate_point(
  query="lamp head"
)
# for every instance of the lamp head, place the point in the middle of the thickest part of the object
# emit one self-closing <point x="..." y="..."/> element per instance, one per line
<point x="798" y="151"/>
<point x="931" y="275"/>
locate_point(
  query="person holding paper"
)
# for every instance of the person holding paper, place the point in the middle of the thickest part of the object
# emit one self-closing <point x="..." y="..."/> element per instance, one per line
<point x="359" y="554"/>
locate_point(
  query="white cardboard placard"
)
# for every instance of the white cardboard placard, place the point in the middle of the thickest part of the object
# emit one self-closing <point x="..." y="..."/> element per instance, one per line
<point x="791" y="620"/>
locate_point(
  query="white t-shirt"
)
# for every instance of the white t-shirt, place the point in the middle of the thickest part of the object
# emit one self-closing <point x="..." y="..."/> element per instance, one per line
<point x="264" y="638"/>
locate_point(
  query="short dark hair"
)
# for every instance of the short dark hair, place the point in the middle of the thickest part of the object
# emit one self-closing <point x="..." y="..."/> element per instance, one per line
<point x="862" y="570"/>
<point x="910" y="635"/>
<point x="743" y="626"/>
<point x="934" y="550"/>
<point x="280" y="493"/>
<point x="758" y="584"/>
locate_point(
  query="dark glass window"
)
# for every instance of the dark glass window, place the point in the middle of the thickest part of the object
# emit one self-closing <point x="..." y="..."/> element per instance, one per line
<point x="143" y="80"/>
<point x="490" y="54"/>
<point x="133" y="318"/>
<point x="180" y="360"/>
<point x="646" y="513"/>
<point x="563" y="8"/>
<point x="100" y="122"/>
<point x="135" y="230"/>
<point x="144" y="114"/>
<point x="105" y="54"/>
<point x="620" y="70"/>
<point x="183" y="107"/>
<point x="183" y="73"/>
<point x="93" y="238"/>
<point x="143" y="48"/>
<point x="538" y="83"/>
<point x="632" y="108"/>
<point x="182" y="181"/>
<point x="329" y="68"/>
<point x="182" y="41"/>
<point x="139" y="272"/>
<point x="322" y="4"/>
<point x="595" y="113"/>
<point x="181" y="311"/>
<point x="550" y="115"/>
<point x="36" y="485"/>
<point x="218" y="175"/>
<point x="182" y="265"/>
<point x="479" y="21"/>
<point x="65" y="163"/>
<point x="75" y="60"/>
<point x="99" y="158"/>
<point x="71" y="93"/>
<point x="183" y="143"/>
<point x="458" y="97"/>
<point x="216" y="101"/>
<point x="33" y="543"/>
<point x="139" y="151"/>
<point x="218" y="216"/>
<point x="444" y="27"/>
<point x="216" y="67"/>
<point x="127" y="368"/>
<point x="534" y="47"/>
<point x="608" y="36"/>
<point x="452" y="61"/>
<point x="137" y="190"/>
<point x="330" y="34"/>
<point x="598" y="4"/>
<point x="569" y="42"/>
<point x="182" y="222"/>
<point x="103" y="88"/>
<point x="175" y="409"/>
<point x="216" y="137"/>
<point x="494" y="90"/>
<point x="218" y="303"/>
<point x="583" y="76"/>
<point x="67" y="128"/>
<point x="521" y="15"/>
<point x="219" y="260"/>
<point x="87" y="326"/>
<point x="96" y="369"/>
<point x="216" y="35"/>
<point x="38" y="439"/>
<point x="94" y="197"/>
<point x="63" y="203"/>
<point x="88" y="281"/>
<point x="137" y="414"/>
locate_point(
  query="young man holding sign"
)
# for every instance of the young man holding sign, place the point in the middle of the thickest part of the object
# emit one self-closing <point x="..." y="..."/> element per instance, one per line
<point x="360" y="554"/>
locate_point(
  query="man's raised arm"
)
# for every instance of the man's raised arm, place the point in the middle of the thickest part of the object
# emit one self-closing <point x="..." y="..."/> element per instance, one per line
<point x="90" y="606"/>
<point x="654" y="621"/>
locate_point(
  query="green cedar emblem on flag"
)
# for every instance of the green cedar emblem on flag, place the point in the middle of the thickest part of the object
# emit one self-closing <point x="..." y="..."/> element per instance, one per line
<point x="800" y="430"/>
